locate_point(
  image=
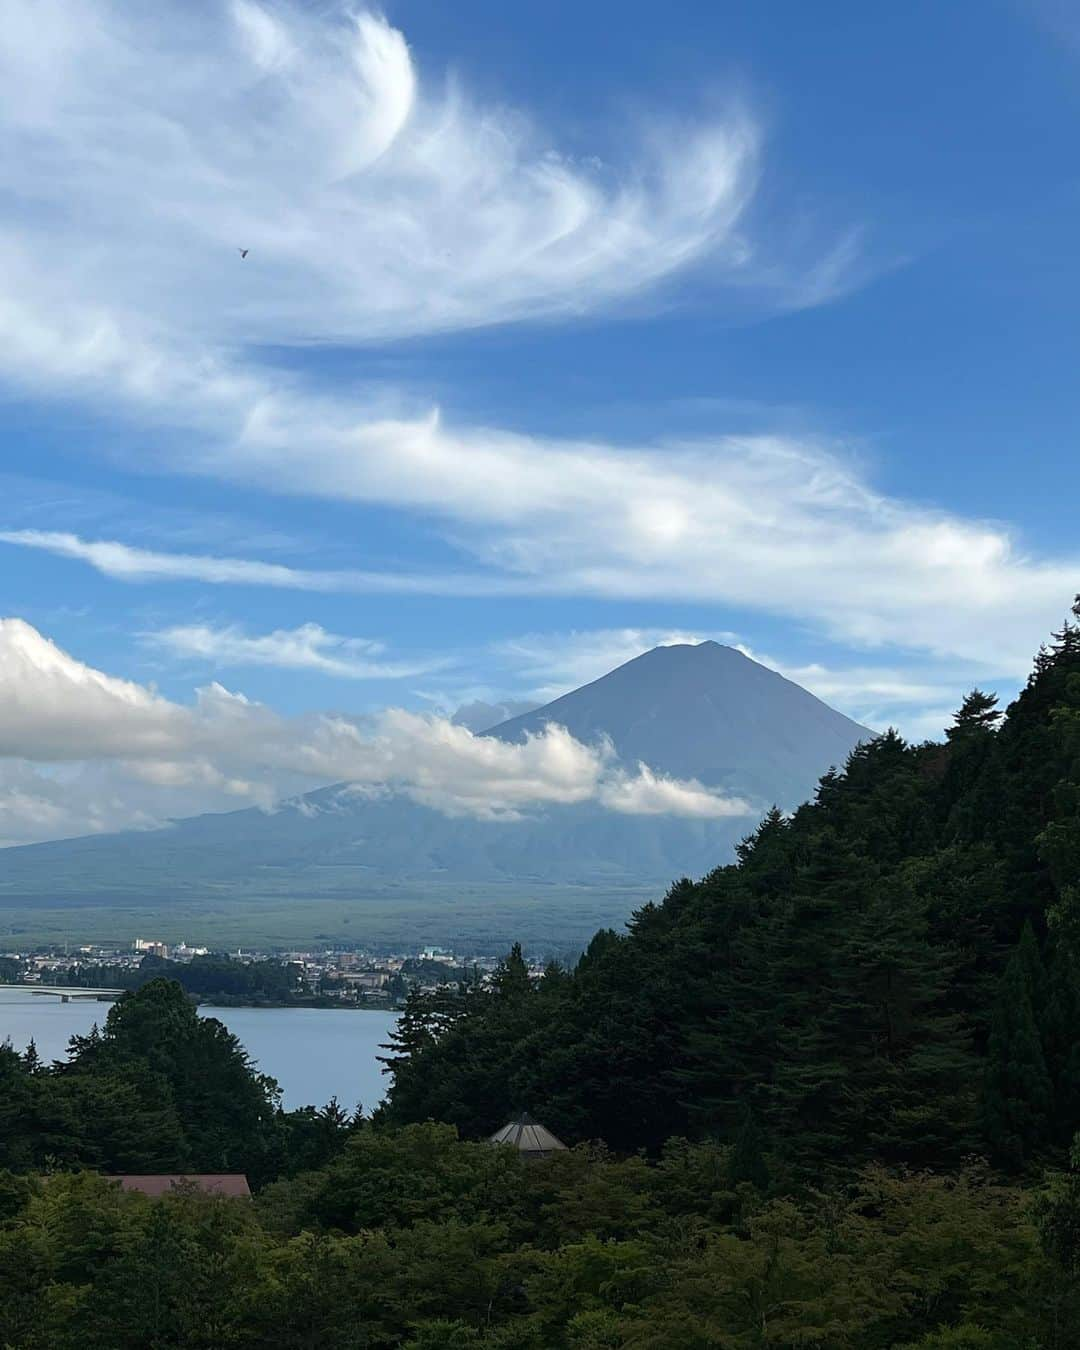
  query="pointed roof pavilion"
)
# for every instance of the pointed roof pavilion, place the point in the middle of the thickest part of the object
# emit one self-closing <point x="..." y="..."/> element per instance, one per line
<point x="528" y="1136"/>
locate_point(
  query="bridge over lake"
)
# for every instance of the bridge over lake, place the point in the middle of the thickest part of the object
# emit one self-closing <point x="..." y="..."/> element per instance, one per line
<point x="65" y="993"/>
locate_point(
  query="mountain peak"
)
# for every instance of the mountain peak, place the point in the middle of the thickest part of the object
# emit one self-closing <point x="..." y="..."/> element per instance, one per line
<point x="709" y="712"/>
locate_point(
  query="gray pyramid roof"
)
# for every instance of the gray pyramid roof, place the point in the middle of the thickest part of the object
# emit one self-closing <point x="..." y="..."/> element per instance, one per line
<point x="528" y="1137"/>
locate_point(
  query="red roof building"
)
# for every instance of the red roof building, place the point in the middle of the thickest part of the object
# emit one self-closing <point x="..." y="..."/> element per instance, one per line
<point x="233" y="1184"/>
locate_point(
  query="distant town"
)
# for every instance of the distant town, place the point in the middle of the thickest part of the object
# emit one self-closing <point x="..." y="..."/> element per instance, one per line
<point x="330" y="977"/>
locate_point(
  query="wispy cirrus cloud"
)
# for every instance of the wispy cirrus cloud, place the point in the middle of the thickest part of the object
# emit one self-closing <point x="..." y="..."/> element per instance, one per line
<point x="917" y="694"/>
<point x="762" y="523"/>
<point x="376" y="208"/>
<point x="377" y="202"/>
<point x="127" y="562"/>
<point x="308" y="647"/>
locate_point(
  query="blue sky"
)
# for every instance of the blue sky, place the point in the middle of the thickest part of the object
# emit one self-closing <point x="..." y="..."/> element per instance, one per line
<point x="564" y="330"/>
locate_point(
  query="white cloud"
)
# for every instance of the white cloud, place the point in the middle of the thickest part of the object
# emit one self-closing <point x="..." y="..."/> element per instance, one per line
<point x="376" y="209"/>
<point x="124" y="562"/>
<point x="646" y="793"/>
<point x="146" y="145"/>
<point x="760" y="523"/>
<point x="757" y="522"/>
<point x="309" y="647"/>
<point x="54" y="710"/>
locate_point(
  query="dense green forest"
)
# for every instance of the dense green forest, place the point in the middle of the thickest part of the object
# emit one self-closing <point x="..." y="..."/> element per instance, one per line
<point x="412" y="1238"/>
<point x="825" y="1097"/>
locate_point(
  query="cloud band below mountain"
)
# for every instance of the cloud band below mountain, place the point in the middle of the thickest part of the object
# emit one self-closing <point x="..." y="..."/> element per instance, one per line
<point x="57" y="712"/>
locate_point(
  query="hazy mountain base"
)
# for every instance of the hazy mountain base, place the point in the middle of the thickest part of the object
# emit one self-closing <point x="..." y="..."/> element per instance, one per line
<point x="377" y="873"/>
<point x="336" y="839"/>
<point x="550" y="920"/>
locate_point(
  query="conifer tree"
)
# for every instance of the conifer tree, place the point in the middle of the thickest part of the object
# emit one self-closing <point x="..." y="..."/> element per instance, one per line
<point x="157" y="1047"/>
<point x="511" y="980"/>
<point x="747" y="1162"/>
<point x="1018" y="1095"/>
<point x="971" y="786"/>
<point x="1030" y="958"/>
<point x="978" y="715"/>
<point x="423" y="1020"/>
<point x="764" y="839"/>
<point x="1061" y="1038"/>
<point x="17" y="1115"/>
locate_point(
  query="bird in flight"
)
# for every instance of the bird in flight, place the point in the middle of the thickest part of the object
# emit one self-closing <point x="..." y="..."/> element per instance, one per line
<point x="243" y="252"/>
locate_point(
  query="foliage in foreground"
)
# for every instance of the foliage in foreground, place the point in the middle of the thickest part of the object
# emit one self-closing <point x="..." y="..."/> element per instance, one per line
<point x="413" y="1238"/>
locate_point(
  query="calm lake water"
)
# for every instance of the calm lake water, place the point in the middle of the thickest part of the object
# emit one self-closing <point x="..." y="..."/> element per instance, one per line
<point x="314" y="1053"/>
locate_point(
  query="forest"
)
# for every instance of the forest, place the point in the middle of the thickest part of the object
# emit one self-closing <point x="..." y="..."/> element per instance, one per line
<point x="827" y="1096"/>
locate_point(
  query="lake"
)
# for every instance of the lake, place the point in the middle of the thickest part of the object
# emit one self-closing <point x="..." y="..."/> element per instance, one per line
<point x="314" y="1053"/>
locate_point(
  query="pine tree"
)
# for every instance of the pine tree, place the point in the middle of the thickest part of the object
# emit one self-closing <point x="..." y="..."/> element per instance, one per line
<point x="971" y="786"/>
<point x="1030" y="958"/>
<point x="1061" y="1038"/>
<point x="155" y="1044"/>
<point x="764" y="840"/>
<point x="1018" y="1095"/>
<point x="423" y="1019"/>
<point x="910" y="1071"/>
<point x="18" y="1098"/>
<point x="747" y="1162"/>
<point x="511" y="979"/>
<point x="978" y="715"/>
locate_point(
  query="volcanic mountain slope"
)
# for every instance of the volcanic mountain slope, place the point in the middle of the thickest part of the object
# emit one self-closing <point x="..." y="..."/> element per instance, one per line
<point x="702" y="712"/>
<point x="707" y="712"/>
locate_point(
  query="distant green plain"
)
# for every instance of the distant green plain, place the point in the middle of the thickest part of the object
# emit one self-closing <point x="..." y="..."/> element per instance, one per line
<point x="475" y="917"/>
